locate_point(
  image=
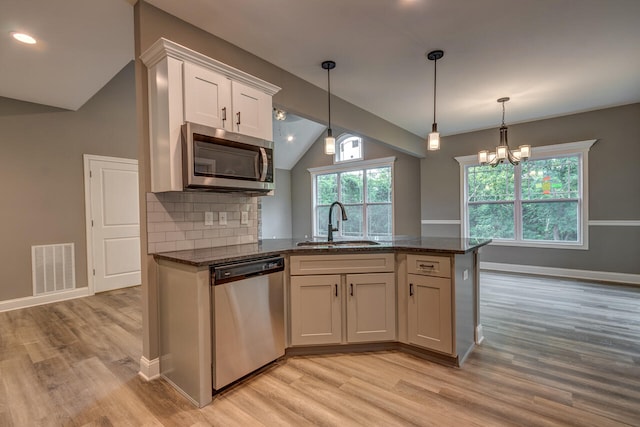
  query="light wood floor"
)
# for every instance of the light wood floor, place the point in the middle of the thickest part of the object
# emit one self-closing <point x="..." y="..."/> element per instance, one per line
<point x="557" y="352"/>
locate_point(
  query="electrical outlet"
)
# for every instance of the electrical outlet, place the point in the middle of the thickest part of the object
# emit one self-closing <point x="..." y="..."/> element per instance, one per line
<point x="222" y="218"/>
<point x="465" y="274"/>
<point x="244" y="218"/>
<point x="208" y="218"/>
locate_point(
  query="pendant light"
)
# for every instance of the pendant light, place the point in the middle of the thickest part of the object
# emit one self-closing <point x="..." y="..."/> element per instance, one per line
<point x="502" y="151"/>
<point x="433" y="140"/>
<point x="329" y="141"/>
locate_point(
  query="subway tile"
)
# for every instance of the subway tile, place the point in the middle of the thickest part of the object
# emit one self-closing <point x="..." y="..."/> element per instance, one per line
<point x="165" y="247"/>
<point x="175" y="236"/>
<point x="194" y="216"/>
<point x="201" y="207"/>
<point x="156" y="237"/>
<point x="168" y="206"/>
<point x="226" y="232"/>
<point x="202" y="243"/>
<point x="164" y="226"/>
<point x="155" y="217"/>
<point x="176" y="216"/>
<point x="209" y="234"/>
<point x="185" y="245"/>
<point x="184" y="226"/>
<point x="195" y="234"/>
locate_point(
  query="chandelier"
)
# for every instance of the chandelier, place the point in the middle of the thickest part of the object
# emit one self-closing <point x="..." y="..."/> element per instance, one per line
<point x="503" y="152"/>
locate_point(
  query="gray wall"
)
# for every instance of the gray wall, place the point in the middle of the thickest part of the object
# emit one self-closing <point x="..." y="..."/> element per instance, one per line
<point x="42" y="174"/>
<point x="614" y="187"/>
<point x="276" y="209"/>
<point x="406" y="186"/>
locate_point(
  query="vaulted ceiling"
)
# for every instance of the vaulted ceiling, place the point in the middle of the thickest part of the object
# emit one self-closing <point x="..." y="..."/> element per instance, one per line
<point x="551" y="57"/>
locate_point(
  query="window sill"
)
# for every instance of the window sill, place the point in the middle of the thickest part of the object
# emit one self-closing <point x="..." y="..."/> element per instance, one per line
<point x="545" y="245"/>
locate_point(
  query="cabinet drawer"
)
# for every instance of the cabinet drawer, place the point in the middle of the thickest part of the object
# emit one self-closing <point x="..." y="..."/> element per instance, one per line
<point x="428" y="265"/>
<point x="347" y="263"/>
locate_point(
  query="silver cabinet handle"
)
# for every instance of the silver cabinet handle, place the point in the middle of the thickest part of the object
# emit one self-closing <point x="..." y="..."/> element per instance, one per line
<point x="238" y="123"/>
<point x="336" y="285"/>
<point x="351" y="289"/>
<point x="410" y="289"/>
<point x="224" y="115"/>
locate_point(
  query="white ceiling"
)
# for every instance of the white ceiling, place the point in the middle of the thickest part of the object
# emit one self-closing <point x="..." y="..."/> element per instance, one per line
<point x="551" y="57"/>
<point x="81" y="46"/>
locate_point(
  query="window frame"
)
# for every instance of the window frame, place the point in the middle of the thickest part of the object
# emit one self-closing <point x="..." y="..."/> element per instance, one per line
<point x="352" y="166"/>
<point x="579" y="148"/>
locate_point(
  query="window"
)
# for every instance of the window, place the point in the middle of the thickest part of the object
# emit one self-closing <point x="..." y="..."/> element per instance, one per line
<point x="348" y="148"/>
<point x="540" y="202"/>
<point x="365" y="190"/>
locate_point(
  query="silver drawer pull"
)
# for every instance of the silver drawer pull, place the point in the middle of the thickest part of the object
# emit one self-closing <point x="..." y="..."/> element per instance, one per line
<point x="431" y="266"/>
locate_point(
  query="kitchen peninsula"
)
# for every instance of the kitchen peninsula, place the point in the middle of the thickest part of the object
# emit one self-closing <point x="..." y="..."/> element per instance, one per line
<point x="418" y="295"/>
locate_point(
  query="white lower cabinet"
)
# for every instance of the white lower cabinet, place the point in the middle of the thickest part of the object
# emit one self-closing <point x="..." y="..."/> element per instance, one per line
<point x="371" y="307"/>
<point x="430" y="321"/>
<point x="316" y="310"/>
<point x="341" y="308"/>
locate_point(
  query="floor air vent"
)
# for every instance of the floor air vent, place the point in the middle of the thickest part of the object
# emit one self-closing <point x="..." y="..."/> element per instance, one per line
<point x="53" y="268"/>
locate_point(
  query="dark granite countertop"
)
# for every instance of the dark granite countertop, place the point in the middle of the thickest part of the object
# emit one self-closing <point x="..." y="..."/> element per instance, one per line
<point x="217" y="255"/>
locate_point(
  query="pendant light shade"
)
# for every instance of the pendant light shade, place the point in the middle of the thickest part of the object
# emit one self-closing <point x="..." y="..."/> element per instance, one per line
<point x="502" y="153"/>
<point x="329" y="141"/>
<point x="433" y="140"/>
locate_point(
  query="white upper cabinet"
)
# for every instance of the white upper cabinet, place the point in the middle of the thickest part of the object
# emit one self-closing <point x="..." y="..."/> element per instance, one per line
<point x="213" y="99"/>
<point x="207" y="97"/>
<point x="251" y="111"/>
<point x="185" y="85"/>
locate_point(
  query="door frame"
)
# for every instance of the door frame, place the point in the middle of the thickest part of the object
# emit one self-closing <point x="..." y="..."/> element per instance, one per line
<point x="87" y="158"/>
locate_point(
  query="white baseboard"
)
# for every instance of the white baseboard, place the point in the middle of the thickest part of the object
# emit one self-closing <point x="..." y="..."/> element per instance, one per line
<point x="149" y="369"/>
<point x="606" y="276"/>
<point x="15" y="304"/>
<point x="479" y="334"/>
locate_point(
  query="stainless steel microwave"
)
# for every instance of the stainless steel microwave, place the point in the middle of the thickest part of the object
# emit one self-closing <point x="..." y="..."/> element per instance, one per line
<point x="219" y="160"/>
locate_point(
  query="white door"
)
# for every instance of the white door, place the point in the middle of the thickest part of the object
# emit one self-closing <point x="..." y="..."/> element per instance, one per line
<point x="113" y="223"/>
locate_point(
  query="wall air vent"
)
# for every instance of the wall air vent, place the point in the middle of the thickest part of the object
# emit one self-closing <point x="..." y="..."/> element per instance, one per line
<point x="53" y="268"/>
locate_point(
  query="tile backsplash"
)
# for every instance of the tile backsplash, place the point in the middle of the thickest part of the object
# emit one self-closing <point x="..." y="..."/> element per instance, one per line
<point x="176" y="221"/>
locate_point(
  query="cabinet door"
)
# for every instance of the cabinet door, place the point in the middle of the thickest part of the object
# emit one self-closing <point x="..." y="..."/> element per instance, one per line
<point x="315" y="310"/>
<point x="430" y="321"/>
<point x="371" y="307"/>
<point x="207" y="97"/>
<point x="251" y="111"/>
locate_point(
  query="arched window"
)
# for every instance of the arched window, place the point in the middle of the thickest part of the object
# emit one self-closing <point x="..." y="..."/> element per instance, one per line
<point x="348" y="148"/>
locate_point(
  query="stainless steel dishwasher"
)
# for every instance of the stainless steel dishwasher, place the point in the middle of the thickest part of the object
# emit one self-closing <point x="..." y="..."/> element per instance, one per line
<point x="248" y="317"/>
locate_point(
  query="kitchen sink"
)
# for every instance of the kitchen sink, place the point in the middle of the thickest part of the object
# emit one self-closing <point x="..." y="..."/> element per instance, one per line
<point x="340" y="243"/>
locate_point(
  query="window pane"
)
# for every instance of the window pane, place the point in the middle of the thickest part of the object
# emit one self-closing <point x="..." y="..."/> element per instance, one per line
<point x="491" y="220"/>
<point x="351" y="187"/>
<point x="322" y="218"/>
<point x="490" y="184"/>
<point x="556" y="178"/>
<point x="379" y="220"/>
<point x="556" y="221"/>
<point x="349" y="148"/>
<point x="326" y="189"/>
<point x="353" y="226"/>
<point x="379" y="185"/>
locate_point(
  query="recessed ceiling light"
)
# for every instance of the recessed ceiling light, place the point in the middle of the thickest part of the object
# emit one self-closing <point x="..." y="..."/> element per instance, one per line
<point x="290" y="138"/>
<point x="24" y="38"/>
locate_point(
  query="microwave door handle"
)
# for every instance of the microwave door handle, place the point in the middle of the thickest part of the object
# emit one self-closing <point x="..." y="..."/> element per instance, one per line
<point x="265" y="164"/>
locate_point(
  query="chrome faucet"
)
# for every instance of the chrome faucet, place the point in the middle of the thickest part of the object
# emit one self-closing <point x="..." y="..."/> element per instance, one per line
<point x="344" y="218"/>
